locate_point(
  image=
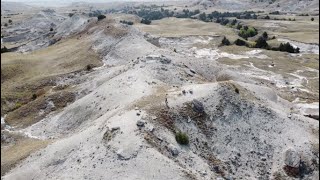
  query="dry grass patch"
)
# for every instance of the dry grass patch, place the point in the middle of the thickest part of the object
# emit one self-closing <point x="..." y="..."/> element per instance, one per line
<point x="22" y="75"/>
<point x="14" y="154"/>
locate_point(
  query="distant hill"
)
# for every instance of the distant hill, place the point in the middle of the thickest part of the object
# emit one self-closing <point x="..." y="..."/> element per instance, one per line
<point x="282" y="5"/>
<point x="14" y="6"/>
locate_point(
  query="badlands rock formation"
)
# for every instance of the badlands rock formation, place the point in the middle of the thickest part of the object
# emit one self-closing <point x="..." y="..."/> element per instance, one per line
<point x="126" y="112"/>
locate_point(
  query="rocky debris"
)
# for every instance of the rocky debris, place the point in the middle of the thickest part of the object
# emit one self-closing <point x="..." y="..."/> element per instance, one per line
<point x="6" y="138"/>
<point x="3" y="123"/>
<point x="165" y="60"/>
<point x="140" y="123"/>
<point x="197" y="106"/>
<point x="173" y="149"/>
<point x="189" y="73"/>
<point x="122" y="156"/>
<point x="292" y="158"/>
<point x="150" y="128"/>
<point x="204" y="173"/>
<point x="161" y="58"/>
<point x="189" y="119"/>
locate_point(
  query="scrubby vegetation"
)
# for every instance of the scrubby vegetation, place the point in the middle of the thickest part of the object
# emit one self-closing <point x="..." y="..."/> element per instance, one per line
<point x="89" y="67"/>
<point x="149" y="14"/>
<point x="261" y="43"/>
<point x="182" y="138"/>
<point x="100" y="17"/>
<point x="225" y="41"/>
<point x="34" y="96"/>
<point x="275" y="13"/>
<point x="152" y="13"/>
<point x="238" y="15"/>
<point x="4" y="50"/>
<point x="265" y="35"/>
<point x="203" y="17"/>
<point x="186" y="13"/>
<point x="246" y="32"/>
<point x="95" y="13"/>
<point x="312" y="19"/>
<point x="284" y="19"/>
<point x="287" y="47"/>
<point x="126" y="22"/>
<point x="240" y="42"/>
<point x="145" y="21"/>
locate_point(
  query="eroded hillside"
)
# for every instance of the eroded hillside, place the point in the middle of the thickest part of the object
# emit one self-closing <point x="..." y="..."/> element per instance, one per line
<point x="100" y="99"/>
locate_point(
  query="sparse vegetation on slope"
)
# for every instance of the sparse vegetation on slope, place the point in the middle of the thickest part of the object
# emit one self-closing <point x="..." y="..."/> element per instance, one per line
<point x="100" y="17"/>
<point x="182" y="138"/>
<point x="225" y="41"/>
<point x="126" y="22"/>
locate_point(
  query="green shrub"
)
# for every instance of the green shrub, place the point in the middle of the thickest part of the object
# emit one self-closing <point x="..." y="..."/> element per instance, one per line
<point x="182" y="138"/>
<point x="312" y="19"/>
<point x="234" y="22"/>
<point x="89" y="67"/>
<point x="203" y="16"/>
<point x="237" y="90"/>
<point x="126" y="22"/>
<point x="287" y="47"/>
<point x="265" y="35"/>
<point x="251" y="32"/>
<point x="34" y="96"/>
<point x="261" y="43"/>
<point x="246" y="32"/>
<point x="145" y="21"/>
<point x="240" y="42"/>
<point x="100" y="17"/>
<point x="239" y="26"/>
<point x="225" y="41"/>
<point x="17" y="105"/>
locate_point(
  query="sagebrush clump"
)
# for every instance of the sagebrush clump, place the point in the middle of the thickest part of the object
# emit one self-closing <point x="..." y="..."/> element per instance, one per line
<point x="182" y="138"/>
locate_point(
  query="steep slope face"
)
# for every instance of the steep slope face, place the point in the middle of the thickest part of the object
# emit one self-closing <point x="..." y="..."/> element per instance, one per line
<point x="123" y="123"/>
<point x="44" y="29"/>
<point x="75" y="24"/>
<point x="39" y="24"/>
<point x="249" y="134"/>
<point x="35" y="32"/>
